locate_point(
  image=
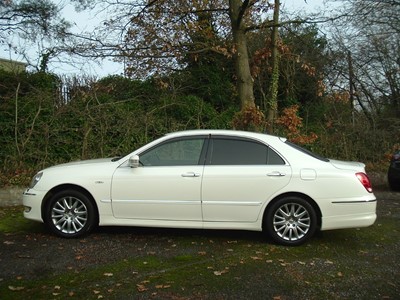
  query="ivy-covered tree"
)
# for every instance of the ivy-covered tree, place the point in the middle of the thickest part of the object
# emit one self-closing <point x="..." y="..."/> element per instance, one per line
<point x="36" y="22"/>
<point x="154" y="37"/>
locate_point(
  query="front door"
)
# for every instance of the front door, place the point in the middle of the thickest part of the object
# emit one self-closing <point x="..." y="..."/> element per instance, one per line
<point x="167" y="185"/>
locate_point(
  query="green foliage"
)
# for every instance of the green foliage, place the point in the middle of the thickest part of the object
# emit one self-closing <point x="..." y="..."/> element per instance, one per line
<point x="45" y="120"/>
<point x="210" y="78"/>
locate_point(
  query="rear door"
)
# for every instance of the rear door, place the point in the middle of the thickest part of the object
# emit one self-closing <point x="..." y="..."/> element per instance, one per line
<point x="239" y="176"/>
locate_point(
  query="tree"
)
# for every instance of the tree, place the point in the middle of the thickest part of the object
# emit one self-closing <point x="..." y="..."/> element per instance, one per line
<point x="370" y="54"/>
<point x="155" y="36"/>
<point x="273" y="87"/>
<point x="36" y="22"/>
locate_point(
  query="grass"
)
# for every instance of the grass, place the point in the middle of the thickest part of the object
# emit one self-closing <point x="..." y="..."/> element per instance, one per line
<point x="168" y="264"/>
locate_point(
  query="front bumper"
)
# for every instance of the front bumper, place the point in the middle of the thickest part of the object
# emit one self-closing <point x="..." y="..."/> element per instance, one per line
<point x="32" y="201"/>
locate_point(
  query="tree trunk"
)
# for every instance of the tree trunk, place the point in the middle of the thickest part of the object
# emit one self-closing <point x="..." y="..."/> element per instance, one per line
<point x="272" y="100"/>
<point x="245" y="83"/>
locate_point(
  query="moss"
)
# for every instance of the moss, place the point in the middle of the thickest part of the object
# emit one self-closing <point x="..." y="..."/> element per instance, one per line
<point x="214" y="264"/>
<point x="12" y="220"/>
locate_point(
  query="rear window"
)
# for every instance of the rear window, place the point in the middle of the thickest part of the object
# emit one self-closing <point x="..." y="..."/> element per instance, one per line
<point x="306" y="151"/>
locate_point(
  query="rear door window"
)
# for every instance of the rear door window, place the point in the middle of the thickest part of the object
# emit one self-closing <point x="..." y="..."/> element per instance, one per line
<point x="237" y="151"/>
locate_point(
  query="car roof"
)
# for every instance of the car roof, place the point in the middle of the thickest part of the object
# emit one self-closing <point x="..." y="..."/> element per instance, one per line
<point x="236" y="133"/>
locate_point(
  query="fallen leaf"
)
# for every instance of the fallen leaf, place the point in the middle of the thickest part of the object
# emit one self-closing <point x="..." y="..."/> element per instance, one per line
<point x="202" y="253"/>
<point x="96" y="292"/>
<point x="256" y="258"/>
<point x="108" y="274"/>
<point x="162" y="286"/>
<point x="145" y="281"/>
<point x="219" y="273"/>
<point x="141" y="287"/>
<point x="15" y="288"/>
<point x="8" y="242"/>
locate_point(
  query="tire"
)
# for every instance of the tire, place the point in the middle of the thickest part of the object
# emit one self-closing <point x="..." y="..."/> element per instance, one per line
<point x="291" y="221"/>
<point x="70" y="214"/>
<point x="393" y="185"/>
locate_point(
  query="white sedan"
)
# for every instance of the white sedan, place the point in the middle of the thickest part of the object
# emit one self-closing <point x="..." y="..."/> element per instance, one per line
<point x="209" y="179"/>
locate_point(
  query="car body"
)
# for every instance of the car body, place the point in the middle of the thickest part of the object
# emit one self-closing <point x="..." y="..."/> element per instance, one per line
<point x="209" y="179"/>
<point x="394" y="172"/>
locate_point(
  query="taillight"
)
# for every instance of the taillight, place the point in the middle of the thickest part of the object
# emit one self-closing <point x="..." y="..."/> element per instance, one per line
<point x="365" y="181"/>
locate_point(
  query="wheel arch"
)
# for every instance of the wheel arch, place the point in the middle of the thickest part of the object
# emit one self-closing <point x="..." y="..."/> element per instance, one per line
<point x="64" y="187"/>
<point x="310" y="200"/>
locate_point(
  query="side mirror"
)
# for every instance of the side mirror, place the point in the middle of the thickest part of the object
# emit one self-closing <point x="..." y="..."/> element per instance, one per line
<point x="134" y="161"/>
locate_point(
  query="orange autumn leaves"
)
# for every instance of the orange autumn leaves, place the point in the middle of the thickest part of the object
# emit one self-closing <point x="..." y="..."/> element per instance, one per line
<point x="291" y="124"/>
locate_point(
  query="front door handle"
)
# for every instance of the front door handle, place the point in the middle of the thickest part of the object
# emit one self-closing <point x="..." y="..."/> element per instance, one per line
<point x="190" y="174"/>
<point x="276" y="174"/>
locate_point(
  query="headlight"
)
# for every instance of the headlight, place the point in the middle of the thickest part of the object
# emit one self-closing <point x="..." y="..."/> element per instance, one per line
<point x="35" y="180"/>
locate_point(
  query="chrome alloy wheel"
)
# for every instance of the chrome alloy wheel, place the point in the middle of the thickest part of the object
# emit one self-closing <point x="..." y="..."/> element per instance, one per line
<point x="69" y="215"/>
<point x="291" y="221"/>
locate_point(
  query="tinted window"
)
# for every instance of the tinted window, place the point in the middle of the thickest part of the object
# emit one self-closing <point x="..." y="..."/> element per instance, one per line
<point x="174" y="153"/>
<point x="225" y="151"/>
<point x="306" y="151"/>
<point x="274" y="158"/>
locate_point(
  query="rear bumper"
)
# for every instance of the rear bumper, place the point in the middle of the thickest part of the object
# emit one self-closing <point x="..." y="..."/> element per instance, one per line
<point x="350" y="215"/>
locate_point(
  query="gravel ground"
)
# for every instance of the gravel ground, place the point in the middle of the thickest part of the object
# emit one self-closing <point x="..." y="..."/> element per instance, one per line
<point x="37" y="254"/>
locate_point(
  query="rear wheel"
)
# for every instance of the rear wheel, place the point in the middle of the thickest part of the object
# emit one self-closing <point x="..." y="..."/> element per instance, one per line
<point x="393" y="184"/>
<point x="291" y="221"/>
<point x="70" y="214"/>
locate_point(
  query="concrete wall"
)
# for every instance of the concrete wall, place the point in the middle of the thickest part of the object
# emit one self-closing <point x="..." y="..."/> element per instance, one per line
<point x="11" y="196"/>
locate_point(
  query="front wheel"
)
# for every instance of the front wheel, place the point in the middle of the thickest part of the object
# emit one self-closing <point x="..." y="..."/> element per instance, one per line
<point x="291" y="221"/>
<point x="70" y="214"/>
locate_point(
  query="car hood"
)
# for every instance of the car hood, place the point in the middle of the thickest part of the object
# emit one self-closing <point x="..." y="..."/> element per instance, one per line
<point x="347" y="165"/>
<point x="84" y="162"/>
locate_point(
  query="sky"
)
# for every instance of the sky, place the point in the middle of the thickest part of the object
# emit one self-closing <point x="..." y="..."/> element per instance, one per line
<point x="85" y="21"/>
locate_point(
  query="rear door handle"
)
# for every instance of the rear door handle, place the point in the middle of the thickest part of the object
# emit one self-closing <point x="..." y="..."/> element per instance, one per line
<point x="190" y="174"/>
<point x="276" y="174"/>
